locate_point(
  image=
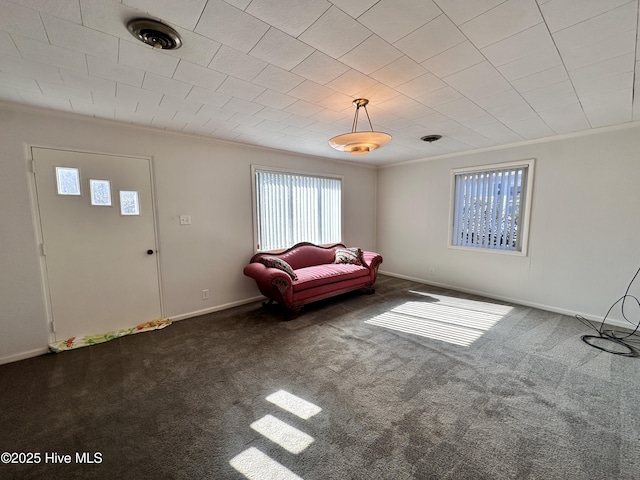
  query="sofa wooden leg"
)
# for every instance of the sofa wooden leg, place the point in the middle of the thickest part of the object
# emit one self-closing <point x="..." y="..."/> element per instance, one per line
<point x="266" y="304"/>
<point x="293" y="314"/>
<point x="369" y="290"/>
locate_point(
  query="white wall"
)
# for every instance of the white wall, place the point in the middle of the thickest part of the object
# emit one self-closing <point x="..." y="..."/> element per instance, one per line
<point x="584" y="243"/>
<point x="208" y="180"/>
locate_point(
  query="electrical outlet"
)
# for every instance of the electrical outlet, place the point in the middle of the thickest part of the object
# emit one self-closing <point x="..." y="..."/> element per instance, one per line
<point x="205" y="294"/>
<point x="432" y="271"/>
<point x="185" y="219"/>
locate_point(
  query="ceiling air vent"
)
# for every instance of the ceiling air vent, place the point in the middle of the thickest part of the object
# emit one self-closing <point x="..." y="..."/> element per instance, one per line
<point x="431" y="138"/>
<point x="154" y="33"/>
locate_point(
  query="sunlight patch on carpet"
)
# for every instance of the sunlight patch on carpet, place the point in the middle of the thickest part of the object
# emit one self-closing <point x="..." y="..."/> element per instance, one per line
<point x="288" y="437"/>
<point x="453" y="320"/>
<point x="293" y="404"/>
<point x="255" y="465"/>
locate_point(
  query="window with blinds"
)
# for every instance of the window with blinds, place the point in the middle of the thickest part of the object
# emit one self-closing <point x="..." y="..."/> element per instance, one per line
<point x="491" y="207"/>
<point x="293" y="207"/>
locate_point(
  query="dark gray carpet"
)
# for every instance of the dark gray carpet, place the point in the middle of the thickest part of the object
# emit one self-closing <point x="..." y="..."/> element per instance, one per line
<point x="526" y="400"/>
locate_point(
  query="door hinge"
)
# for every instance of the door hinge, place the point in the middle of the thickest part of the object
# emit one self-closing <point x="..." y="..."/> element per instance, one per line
<point x="52" y="326"/>
<point x="32" y="166"/>
<point x="43" y="252"/>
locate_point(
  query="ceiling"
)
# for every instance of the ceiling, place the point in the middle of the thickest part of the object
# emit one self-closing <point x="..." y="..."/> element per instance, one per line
<point x="283" y="73"/>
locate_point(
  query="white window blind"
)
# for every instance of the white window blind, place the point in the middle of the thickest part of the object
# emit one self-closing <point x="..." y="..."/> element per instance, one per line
<point x="293" y="208"/>
<point x="489" y="207"/>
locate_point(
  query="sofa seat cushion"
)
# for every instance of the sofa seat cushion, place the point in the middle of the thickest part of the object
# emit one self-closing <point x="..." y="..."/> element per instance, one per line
<point x="309" y="277"/>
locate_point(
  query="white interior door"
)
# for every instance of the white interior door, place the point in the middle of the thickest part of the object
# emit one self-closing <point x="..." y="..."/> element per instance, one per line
<point x="98" y="228"/>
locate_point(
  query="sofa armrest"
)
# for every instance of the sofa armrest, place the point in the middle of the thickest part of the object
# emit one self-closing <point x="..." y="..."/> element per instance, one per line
<point x="372" y="261"/>
<point x="265" y="275"/>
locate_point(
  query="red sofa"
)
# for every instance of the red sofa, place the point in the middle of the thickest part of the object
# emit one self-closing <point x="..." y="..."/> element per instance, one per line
<point x="312" y="275"/>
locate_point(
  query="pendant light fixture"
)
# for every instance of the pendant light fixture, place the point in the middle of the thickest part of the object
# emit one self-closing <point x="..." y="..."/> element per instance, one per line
<point x="360" y="143"/>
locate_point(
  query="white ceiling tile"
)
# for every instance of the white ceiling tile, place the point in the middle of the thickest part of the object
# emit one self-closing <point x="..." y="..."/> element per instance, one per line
<point x="195" y="48"/>
<point x="531" y="128"/>
<point x="81" y="39"/>
<point x="290" y="16"/>
<point x="394" y="19"/>
<point x="273" y="114"/>
<point x="320" y="68"/>
<point x="180" y="105"/>
<point x="438" y="97"/>
<point x="531" y="64"/>
<point x="45" y="101"/>
<point x="226" y="24"/>
<point x="541" y="79"/>
<point x="552" y="96"/>
<point x="206" y="96"/>
<point x="377" y="93"/>
<point x="608" y="109"/>
<point x="498" y="133"/>
<point x="50" y="54"/>
<point x="305" y="109"/>
<point x="99" y="67"/>
<point x="351" y="82"/>
<point x="18" y="82"/>
<point x="240" y="65"/>
<point x="239" y="88"/>
<point x="158" y="83"/>
<point x="93" y="110"/>
<point x="94" y="13"/>
<point x="215" y="113"/>
<point x="598" y="52"/>
<point x="453" y="60"/>
<point x="184" y="13"/>
<point x="520" y="45"/>
<point x="337" y="102"/>
<point x="481" y="80"/>
<point x="275" y="100"/>
<point x="148" y="58"/>
<point x="400" y="71"/>
<point x="62" y="91"/>
<point x="421" y="86"/>
<point x="7" y="48"/>
<point x="508" y="114"/>
<point x="67" y="9"/>
<point x="461" y="11"/>
<point x="27" y="68"/>
<point x="565" y="119"/>
<point x="297" y="121"/>
<point x="280" y="49"/>
<point x="503" y="21"/>
<point x="592" y="86"/>
<point x="21" y="20"/>
<point x="241" y="4"/>
<point x="89" y="83"/>
<point x="431" y="39"/>
<point x="197" y="75"/>
<point x="328" y="116"/>
<point x="277" y="79"/>
<point x="243" y="106"/>
<point x="371" y="55"/>
<point x="355" y="8"/>
<point x="248" y="120"/>
<point x="624" y="63"/>
<point x="461" y="109"/>
<point x="498" y="100"/>
<point x="134" y="94"/>
<point x="335" y="33"/>
<point x="560" y="14"/>
<point x="597" y="29"/>
<point x="310" y="91"/>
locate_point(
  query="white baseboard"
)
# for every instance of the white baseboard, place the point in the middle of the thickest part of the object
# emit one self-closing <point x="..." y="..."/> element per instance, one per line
<point x="217" y="308"/>
<point x="550" y="308"/>
<point x="24" y="355"/>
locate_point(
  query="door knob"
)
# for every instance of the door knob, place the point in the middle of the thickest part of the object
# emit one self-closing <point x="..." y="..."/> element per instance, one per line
<point x="149" y="252"/>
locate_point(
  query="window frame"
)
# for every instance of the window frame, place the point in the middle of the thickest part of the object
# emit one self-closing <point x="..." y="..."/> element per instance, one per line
<point x="254" y="197"/>
<point x="526" y="200"/>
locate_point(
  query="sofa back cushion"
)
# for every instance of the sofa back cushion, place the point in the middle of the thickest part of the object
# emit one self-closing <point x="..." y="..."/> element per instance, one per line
<point x="304" y="255"/>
